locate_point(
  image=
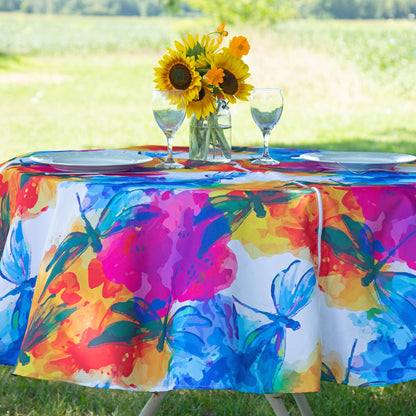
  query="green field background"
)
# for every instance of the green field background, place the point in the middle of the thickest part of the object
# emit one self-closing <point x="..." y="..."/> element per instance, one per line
<point x="72" y="82"/>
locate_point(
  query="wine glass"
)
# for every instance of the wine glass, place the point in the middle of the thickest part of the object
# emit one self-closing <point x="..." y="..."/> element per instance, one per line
<point x="266" y="106"/>
<point x="169" y="112"/>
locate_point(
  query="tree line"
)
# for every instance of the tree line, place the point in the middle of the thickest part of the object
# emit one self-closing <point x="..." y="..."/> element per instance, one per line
<point x="87" y="7"/>
<point x="361" y="9"/>
<point x="261" y="11"/>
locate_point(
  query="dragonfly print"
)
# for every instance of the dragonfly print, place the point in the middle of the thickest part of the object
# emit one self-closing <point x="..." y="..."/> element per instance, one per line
<point x="291" y="291"/>
<point x="227" y="212"/>
<point x="117" y="215"/>
<point x="143" y="325"/>
<point x="16" y="263"/>
<point x="123" y="210"/>
<point x="15" y="304"/>
<point x="358" y="248"/>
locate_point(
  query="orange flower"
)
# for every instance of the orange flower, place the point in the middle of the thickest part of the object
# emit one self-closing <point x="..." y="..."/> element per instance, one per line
<point x="215" y="75"/>
<point x="222" y="32"/>
<point x="239" y="46"/>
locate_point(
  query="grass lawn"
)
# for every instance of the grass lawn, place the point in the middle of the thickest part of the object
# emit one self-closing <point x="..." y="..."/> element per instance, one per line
<point x="85" y="82"/>
<point x="21" y="396"/>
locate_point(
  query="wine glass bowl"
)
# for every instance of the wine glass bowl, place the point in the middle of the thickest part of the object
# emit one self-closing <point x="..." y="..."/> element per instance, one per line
<point x="169" y="113"/>
<point x="266" y="105"/>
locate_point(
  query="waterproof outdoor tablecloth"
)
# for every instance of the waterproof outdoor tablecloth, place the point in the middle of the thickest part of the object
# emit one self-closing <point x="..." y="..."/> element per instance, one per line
<point x="216" y="276"/>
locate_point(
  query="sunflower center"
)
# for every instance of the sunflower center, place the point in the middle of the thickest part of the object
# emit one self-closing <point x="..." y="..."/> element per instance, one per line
<point x="180" y="76"/>
<point x="229" y="84"/>
<point x="201" y="95"/>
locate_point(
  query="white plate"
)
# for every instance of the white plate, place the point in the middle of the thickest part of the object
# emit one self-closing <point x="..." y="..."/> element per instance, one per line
<point x="107" y="160"/>
<point x="359" y="161"/>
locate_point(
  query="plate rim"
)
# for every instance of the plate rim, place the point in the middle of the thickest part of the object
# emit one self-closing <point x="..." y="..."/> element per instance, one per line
<point x="139" y="159"/>
<point x="312" y="156"/>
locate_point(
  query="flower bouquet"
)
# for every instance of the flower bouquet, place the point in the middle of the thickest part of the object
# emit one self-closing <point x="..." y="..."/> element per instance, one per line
<point x="210" y="77"/>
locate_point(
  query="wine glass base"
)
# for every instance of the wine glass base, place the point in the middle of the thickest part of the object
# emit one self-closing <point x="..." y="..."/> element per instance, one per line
<point x="169" y="165"/>
<point x="264" y="161"/>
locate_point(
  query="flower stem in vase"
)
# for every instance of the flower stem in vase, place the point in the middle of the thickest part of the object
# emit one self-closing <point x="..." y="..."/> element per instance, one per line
<point x="210" y="137"/>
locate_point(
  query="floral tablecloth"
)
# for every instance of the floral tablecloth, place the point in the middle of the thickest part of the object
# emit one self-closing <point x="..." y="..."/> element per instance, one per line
<point x="233" y="276"/>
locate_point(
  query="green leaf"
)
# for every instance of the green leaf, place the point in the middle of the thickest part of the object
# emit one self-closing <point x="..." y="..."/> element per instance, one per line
<point x="126" y="333"/>
<point x="195" y="51"/>
<point x="344" y="248"/>
<point x="46" y="319"/>
<point x="137" y="310"/>
<point x="67" y="253"/>
<point x="4" y="220"/>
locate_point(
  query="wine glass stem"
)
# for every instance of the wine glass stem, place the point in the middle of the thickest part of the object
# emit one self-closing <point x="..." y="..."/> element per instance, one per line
<point x="169" y="139"/>
<point x="266" y="136"/>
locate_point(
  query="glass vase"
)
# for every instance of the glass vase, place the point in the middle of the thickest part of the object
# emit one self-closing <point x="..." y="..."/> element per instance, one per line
<point x="210" y="137"/>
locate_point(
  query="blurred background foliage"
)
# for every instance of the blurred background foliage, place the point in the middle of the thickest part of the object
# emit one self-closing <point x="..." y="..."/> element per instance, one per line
<point x="257" y="11"/>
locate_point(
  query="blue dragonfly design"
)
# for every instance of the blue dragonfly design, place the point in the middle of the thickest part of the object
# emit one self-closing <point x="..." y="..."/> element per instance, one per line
<point x="15" y="304"/>
<point x="265" y="346"/>
<point x="14" y="315"/>
<point x="142" y="324"/>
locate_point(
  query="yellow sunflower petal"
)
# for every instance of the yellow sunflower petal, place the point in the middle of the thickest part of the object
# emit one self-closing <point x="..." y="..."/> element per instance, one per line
<point x="203" y="105"/>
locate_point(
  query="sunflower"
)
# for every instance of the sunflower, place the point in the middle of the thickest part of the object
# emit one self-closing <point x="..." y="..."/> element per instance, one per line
<point x="177" y="72"/>
<point x="195" y="47"/>
<point x="204" y="104"/>
<point x="236" y="72"/>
